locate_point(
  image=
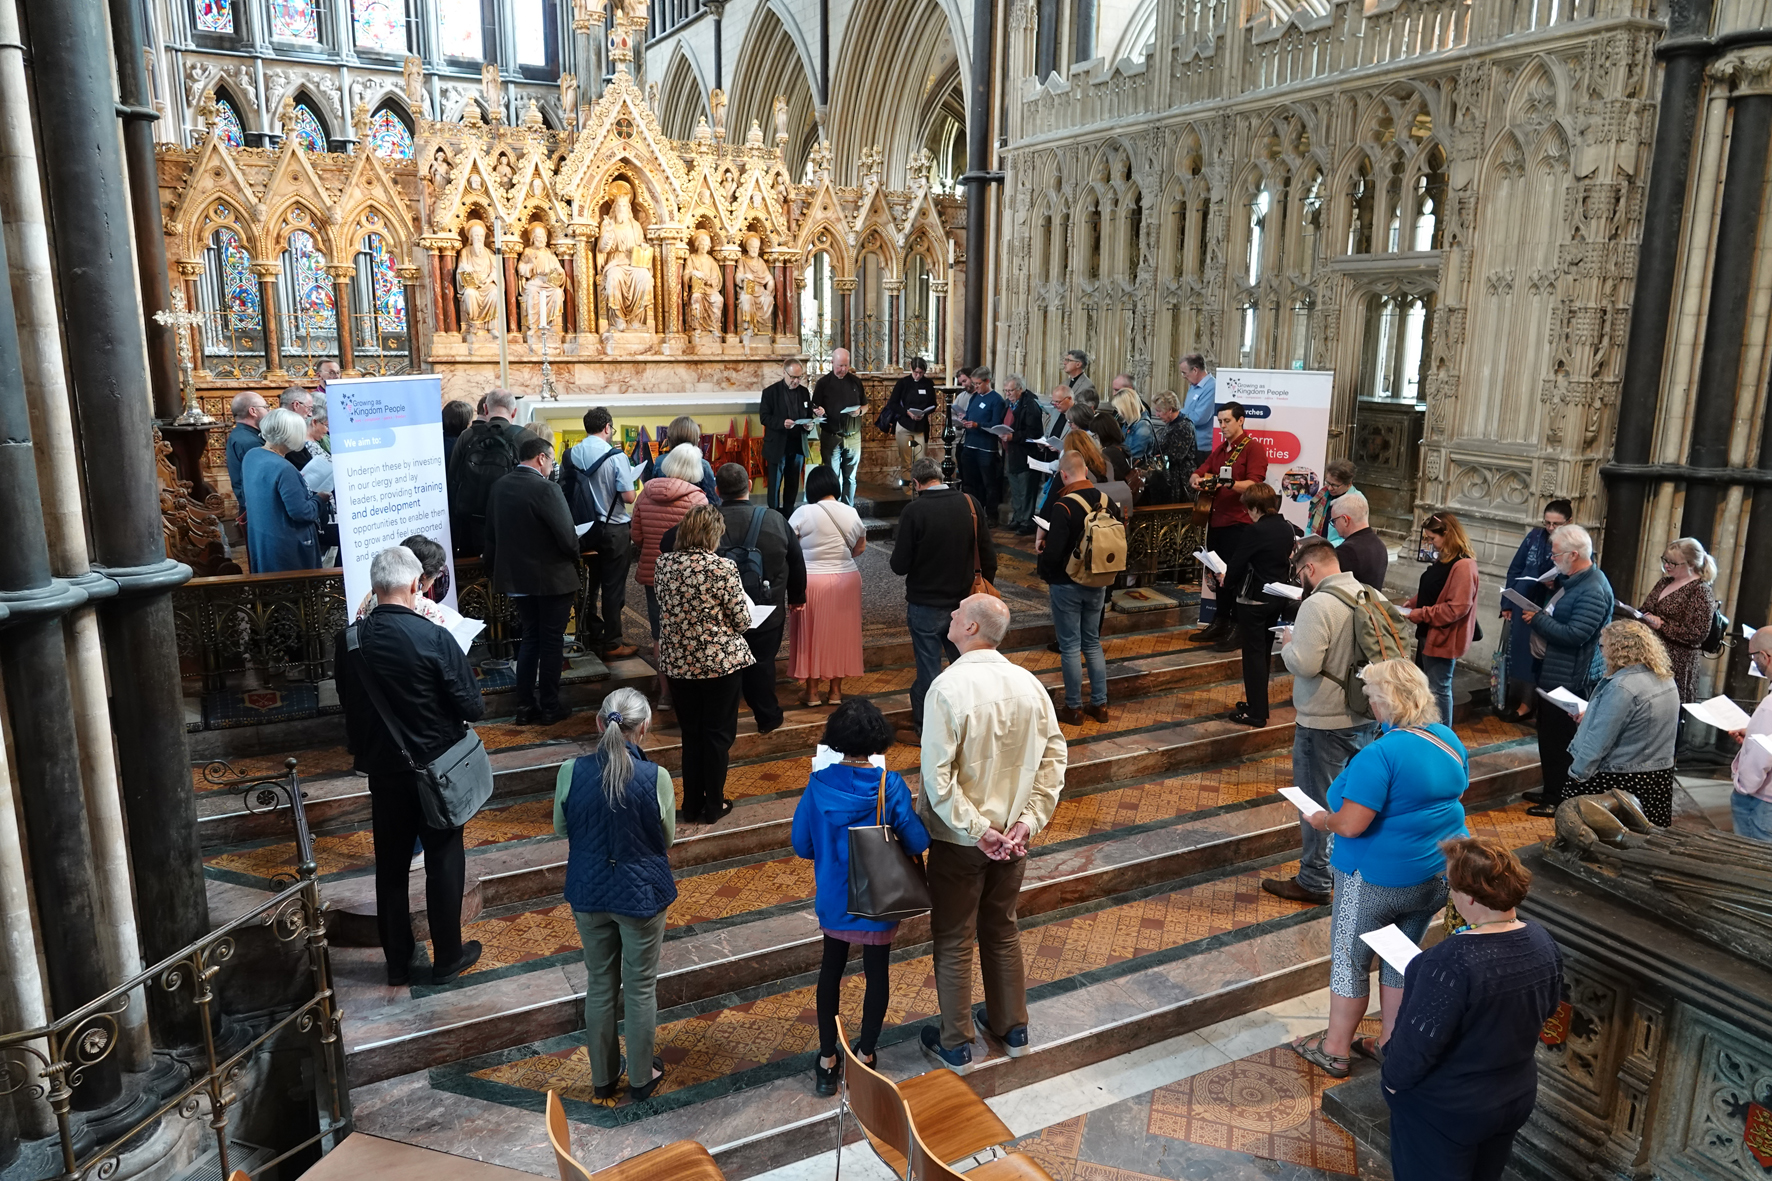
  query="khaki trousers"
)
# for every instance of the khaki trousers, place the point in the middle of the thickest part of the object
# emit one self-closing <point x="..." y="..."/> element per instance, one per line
<point x="974" y="903"/>
<point x="910" y="450"/>
<point x="621" y="962"/>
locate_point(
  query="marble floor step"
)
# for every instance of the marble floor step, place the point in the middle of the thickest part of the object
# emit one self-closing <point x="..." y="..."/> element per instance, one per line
<point x="1103" y="979"/>
<point x="741" y="925"/>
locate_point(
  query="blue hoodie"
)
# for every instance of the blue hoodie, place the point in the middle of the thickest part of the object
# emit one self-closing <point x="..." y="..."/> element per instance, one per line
<point x="835" y="800"/>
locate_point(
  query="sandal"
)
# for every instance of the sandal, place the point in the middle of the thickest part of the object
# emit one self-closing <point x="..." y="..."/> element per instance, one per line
<point x="1368" y="1047"/>
<point x="1311" y="1050"/>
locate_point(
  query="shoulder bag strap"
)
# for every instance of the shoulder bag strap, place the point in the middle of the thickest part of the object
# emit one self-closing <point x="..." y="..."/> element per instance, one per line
<point x="1425" y="733"/>
<point x="372" y="684"/>
<point x="880" y="805"/>
<point x="590" y="472"/>
<point x="756" y="530"/>
<point x="977" y="563"/>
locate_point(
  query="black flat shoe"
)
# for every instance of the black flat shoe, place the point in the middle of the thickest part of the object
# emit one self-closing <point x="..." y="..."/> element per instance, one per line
<point x="824" y="1082"/>
<point x="608" y="1090"/>
<point x="723" y="813"/>
<point x="641" y="1094"/>
<point x="470" y="955"/>
<point x="1541" y="810"/>
<point x="1242" y="718"/>
<point x="1535" y="796"/>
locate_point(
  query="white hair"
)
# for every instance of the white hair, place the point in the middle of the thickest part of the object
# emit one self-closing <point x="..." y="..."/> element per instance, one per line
<point x="394" y="569"/>
<point x="501" y="400"/>
<point x="284" y="428"/>
<point x="623" y="712"/>
<point x="1574" y="537"/>
<point x="1016" y="380"/>
<point x="683" y="463"/>
<point x="991" y="615"/>
<point x="1353" y="502"/>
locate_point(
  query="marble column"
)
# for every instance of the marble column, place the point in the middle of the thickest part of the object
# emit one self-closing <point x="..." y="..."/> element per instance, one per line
<point x="728" y="256"/>
<point x="190" y="273"/>
<point x="341" y="275"/>
<point x="673" y="288"/>
<point x="845" y="289"/>
<point x="513" y="317"/>
<point x="270" y="312"/>
<point x="938" y="331"/>
<point x="414" y="354"/>
<point x="894" y="336"/>
<point x="569" y="311"/>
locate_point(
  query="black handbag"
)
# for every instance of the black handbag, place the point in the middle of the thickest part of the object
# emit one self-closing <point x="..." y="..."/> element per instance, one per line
<point x="453" y="786"/>
<point x="886" y="883"/>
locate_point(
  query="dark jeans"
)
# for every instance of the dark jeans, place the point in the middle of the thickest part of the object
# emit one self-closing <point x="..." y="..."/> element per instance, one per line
<point x="541" y="650"/>
<point x="784" y="482"/>
<point x="1076" y="623"/>
<point x="1318" y="756"/>
<point x="1434" y="1145"/>
<point x="929" y="641"/>
<point x="1024" y="491"/>
<point x="1258" y="655"/>
<point x="609" y="585"/>
<point x="875" y="959"/>
<point x="758" y="681"/>
<point x="395" y="822"/>
<point x="1556" y="730"/>
<point x="1223" y="540"/>
<point x="842" y="454"/>
<point x="707" y="714"/>
<point x="981" y="474"/>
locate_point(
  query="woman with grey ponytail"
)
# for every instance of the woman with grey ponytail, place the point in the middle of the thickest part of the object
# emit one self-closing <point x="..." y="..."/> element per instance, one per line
<point x="1680" y="608"/>
<point x="618" y="812"/>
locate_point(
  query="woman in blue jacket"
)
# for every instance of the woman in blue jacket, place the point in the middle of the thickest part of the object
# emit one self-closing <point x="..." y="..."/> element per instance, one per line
<point x="282" y="515"/>
<point x="836" y="799"/>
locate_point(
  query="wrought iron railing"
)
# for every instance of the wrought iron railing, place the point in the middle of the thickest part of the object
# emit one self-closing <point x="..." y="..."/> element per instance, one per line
<point x="1160" y="544"/>
<point x="50" y="1063"/>
<point x="380" y="347"/>
<point x="286" y="623"/>
<point x="233" y="345"/>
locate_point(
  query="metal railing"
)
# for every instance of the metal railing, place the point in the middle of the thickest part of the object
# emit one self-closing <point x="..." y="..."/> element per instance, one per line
<point x="58" y="1055"/>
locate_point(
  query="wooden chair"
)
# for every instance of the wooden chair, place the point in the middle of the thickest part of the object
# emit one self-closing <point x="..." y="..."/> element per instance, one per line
<point x="927" y="1166"/>
<point x="954" y="1121"/>
<point x="560" y="1136"/>
<point x="684" y="1159"/>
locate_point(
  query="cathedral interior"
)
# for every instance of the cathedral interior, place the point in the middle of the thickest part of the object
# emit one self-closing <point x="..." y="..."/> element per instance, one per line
<point x="1522" y="236"/>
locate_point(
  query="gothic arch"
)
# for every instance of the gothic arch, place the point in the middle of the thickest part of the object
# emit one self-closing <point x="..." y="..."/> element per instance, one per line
<point x="906" y="39"/>
<point x="682" y="96"/>
<point x="1140" y="29"/>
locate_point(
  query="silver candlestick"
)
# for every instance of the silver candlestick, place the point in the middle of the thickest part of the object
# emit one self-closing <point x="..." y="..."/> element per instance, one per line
<point x="181" y="322"/>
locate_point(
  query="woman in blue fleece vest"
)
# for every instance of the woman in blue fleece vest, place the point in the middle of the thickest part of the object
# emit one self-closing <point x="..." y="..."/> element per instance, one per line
<point x="836" y="799"/>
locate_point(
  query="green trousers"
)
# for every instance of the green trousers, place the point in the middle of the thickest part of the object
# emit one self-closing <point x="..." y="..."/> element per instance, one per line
<point x="621" y="963"/>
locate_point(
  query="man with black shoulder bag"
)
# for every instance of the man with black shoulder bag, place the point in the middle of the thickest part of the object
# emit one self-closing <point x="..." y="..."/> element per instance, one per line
<point x="409" y="701"/>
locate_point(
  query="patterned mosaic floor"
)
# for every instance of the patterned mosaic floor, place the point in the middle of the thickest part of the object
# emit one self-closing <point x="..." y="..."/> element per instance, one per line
<point x="749" y="1043"/>
<point x="1267" y="1106"/>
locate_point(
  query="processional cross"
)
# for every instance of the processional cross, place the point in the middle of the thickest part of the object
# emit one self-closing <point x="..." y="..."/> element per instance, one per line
<point x="181" y="322"/>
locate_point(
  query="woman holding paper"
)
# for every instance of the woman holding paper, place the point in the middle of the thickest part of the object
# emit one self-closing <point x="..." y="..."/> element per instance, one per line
<point x="1389" y="811"/>
<point x="1680" y="607"/>
<point x="824" y="636"/>
<point x="703" y="614"/>
<point x="1626" y="736"/>
<point x="1460" y="1073"/>
<point x="1532" y="561"/>
<point x="1444" y="607"/>
<point x="1263" y="556"/>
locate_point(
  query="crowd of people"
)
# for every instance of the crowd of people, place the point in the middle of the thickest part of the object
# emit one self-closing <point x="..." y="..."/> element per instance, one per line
<point x="726" y="581"/>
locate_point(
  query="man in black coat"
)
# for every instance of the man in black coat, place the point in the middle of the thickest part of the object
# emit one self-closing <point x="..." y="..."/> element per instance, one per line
<point x="907" y="416"/>
<point x="429" y="688"/>
<point x="839" y="434"/>
<point x="482" y="456"/>
<point x="532" y="554"/>
<point x="933" y="549"/>
<point x="784" y="444"/>
<point x="785" y="569"/>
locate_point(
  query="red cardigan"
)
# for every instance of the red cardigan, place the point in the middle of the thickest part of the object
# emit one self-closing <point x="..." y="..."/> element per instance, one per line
<point x="1452" y="622"/>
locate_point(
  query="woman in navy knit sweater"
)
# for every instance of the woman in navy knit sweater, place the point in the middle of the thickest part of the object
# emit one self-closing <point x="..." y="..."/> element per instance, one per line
<point x="1459" y="1072"/>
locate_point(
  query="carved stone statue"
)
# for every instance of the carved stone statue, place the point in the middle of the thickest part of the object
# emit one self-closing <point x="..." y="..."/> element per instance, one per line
<point x="477" y="279"/>
<point x="544" y="284"/>
<point x="781" y="119"/>
<point x="504" y="171"/>
<point x="717" y="108"/>
<point x="439" y="173"/>
<point x="493" y="91"/>
<point x="413" y="72"/>
<point x="702" y="281"/>
<point x="627" y="285"/>
<point x="569" y="99"/>
<point x="756" y="290"/>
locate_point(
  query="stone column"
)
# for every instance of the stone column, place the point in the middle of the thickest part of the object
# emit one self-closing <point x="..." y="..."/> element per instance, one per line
<point x="894" y="289"/>
<point x="190" y="273"/>
<point x="513" y="318"/>
<point x="569" y="311"/>
<point x="107" y="365"/>
<point x="671" y="264"/>
<point x="341" y="275"/>
<point x="938" y="331"/>
<point x="414" y="354"/>
<point x="845" y="289"/>
<point x="728" y="256"/>
<point x="270" y="312"/>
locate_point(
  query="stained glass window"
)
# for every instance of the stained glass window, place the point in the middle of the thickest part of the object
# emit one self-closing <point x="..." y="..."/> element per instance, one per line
<point x="389" y="137"/>
<point x="459" y="23"/>
<point x="295" y="20"/>
<point x="379" y="24"/>
<point x="227" y="123"/>
<point x="309" y="286"/>
<point x="215" y="16"/>
<point x="389" y="295"/>
<point x="308" y="131"/>
<point x="529" y="18"/>
<point x="239" y="286"/>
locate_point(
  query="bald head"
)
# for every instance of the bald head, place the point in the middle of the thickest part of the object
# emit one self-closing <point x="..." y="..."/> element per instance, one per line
<point x="840" y="362"/>
<point x="1760" y="641"/>
<point x="248" y="407"/>
<point x="980" y="621"/>
<point x="1074" y="467"/>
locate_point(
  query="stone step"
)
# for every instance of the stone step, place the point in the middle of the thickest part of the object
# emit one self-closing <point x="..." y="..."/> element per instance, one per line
<point x="741" y="927"/>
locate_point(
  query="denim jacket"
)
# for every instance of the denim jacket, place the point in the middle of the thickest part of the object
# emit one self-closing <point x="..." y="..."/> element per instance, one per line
<point x="1629" y="725"/>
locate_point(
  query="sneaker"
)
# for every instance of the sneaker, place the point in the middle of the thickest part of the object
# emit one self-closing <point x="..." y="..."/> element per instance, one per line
<point x="1098" y="712"/>
<point x="824" y="1082"/>
<point x="1070" y="715"/>
<point x="470" y="955"/>
<point x="1015" y="1042"/>
<point x="1289" y="889"/>
<point x="959" y="1061"/>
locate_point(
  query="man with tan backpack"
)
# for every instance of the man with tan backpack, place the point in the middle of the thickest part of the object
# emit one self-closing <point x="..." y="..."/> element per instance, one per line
<point x="1084" y="548"/>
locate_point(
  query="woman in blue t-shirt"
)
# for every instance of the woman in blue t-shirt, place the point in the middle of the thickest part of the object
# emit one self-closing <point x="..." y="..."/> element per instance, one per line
<point x="1389" y="811"/>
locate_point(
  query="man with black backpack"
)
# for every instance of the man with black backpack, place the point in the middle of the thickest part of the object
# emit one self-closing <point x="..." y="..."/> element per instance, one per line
<point x="1076" y="591"/>
<point x="773" y="570"/>
<point x="482" y="456"/>
<point x="1340" y="624"/>
<point x="599" y="484"/>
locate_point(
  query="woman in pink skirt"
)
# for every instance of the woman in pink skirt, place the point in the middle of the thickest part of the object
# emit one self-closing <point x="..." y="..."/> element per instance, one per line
<point x="824" y="636"/>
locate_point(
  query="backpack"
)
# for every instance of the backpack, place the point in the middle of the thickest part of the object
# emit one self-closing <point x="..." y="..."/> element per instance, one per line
<point x="1717" y="638"/>
<point x="490" y="455"/>
<point x="1100" y="553"/>
<point x="749" y="559"/>
<point x="1378" y="635"/>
